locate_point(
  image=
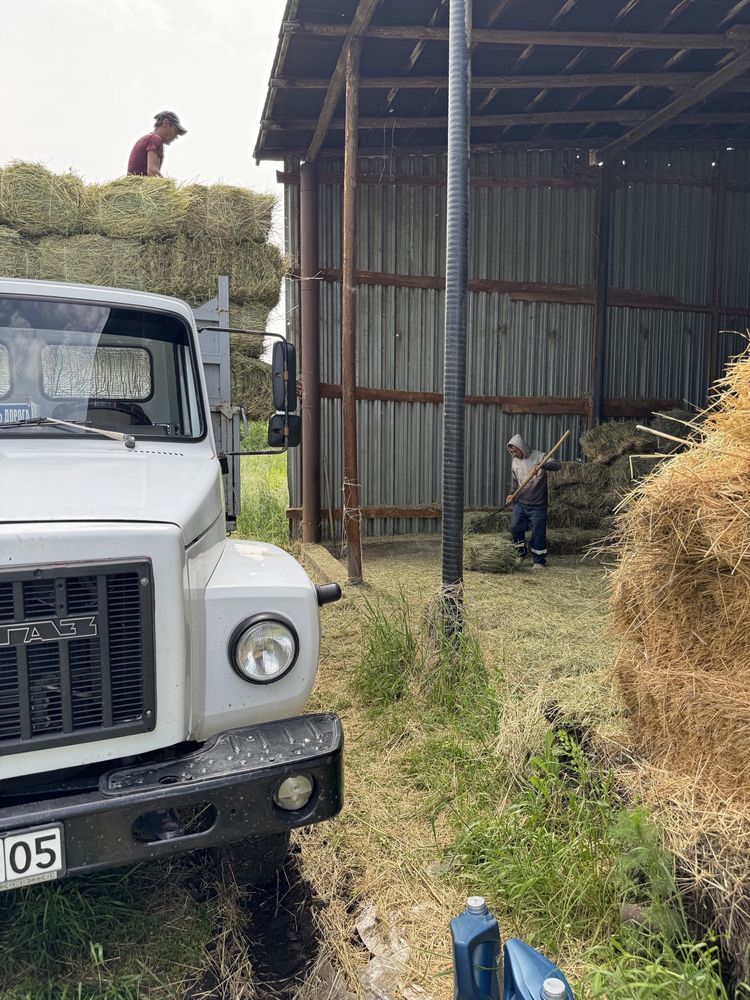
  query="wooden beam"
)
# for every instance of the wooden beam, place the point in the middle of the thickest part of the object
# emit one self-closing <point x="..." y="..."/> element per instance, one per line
<point x="551" y="405"/>
<point x="675" y="108"/>
<point x="615" y="116"/>
<point x="573" y="406"/>
<point x="362" y="17"/>
<point x="669" y="81"/>
<point x="530" y="291"/>
<point x="733" y="39"/>
<point x="416" y="52"/>
<point x="431" y="513"/>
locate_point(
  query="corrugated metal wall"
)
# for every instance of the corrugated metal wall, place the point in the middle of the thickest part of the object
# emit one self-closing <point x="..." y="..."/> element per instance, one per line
<point x="661" y="243"/>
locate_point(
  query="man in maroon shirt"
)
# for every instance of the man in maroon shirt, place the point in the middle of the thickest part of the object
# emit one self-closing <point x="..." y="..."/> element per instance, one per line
<point x="147" y="154"/>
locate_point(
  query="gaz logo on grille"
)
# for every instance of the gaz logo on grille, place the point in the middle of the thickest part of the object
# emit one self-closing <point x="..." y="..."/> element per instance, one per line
<point x="51" y="630"/>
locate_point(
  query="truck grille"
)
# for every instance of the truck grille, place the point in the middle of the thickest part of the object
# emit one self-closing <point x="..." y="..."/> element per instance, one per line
<point x="76" y="654"/>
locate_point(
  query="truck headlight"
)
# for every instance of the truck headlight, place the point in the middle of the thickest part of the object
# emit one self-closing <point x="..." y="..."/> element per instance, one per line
<point x="262" y="650"/>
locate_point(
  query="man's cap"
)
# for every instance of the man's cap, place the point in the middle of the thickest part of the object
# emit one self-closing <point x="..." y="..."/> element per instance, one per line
<point x="171" y="117"/>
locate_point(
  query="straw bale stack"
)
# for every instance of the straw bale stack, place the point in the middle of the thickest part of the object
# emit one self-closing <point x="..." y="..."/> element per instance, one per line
<point x="681" y="599"/>
<point x="224" y="212"/>
<point x="580" y="496"/>
<point x="607" y="441"/>
<point x="188" y="269"/>
<point x="18" y="257"/>
<point x="36" y="202"/>
<point x="136" y="208"/>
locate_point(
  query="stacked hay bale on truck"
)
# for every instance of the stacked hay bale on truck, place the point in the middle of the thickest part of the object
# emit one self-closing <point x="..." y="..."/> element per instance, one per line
<point x="151" y="234"/>
<point x="583" y="496"/>
<point x="681" y="601"/>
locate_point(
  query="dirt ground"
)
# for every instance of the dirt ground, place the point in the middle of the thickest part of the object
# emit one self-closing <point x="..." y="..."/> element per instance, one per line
<point x="544" y="641"/>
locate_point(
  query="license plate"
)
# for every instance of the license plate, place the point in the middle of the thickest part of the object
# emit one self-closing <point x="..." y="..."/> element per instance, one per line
<point x="30" y="856"/>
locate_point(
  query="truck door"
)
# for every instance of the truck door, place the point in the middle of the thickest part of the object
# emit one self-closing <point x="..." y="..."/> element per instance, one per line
<point x="225" y="418"/>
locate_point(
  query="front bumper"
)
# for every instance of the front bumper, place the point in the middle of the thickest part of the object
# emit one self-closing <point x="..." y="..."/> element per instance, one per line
<point x="234" y="777"/>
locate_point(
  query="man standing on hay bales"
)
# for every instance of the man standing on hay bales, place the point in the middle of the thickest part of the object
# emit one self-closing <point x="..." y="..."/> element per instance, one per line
<point x="147" y="156"/>
<point x="530" y="506"/>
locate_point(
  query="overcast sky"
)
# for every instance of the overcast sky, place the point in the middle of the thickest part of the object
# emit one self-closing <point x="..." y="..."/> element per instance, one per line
<point x="83" y="79"/>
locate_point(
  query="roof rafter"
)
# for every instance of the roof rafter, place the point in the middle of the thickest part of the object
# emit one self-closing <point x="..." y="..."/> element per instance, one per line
<point x="360" y="22"/>
<point x="416" y="52"/>
<point x="669" y="81"/>
<point x="616" y="116"/>
<point x="732" y="39"/>
<point x="675" y="108"/>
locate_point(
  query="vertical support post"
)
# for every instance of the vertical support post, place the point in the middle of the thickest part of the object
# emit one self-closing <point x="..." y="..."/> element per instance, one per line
<point x="456" y="286"/>
<point x="599" y="339"/>
<point x="352" y="512"/>
<point x="223" y="300"/>
<point x="718" y="237"/>
<point x="310" y="354"/>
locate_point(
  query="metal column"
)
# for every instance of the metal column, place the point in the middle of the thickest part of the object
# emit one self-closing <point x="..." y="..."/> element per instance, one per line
<point x="352" y="511"/>
<point x="310" y="354"/>
<point x="599" y="345"/>
<point x="456" y="286"/>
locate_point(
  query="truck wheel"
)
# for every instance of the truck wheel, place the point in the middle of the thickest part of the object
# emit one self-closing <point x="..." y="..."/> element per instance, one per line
<point x="256" y="860"/>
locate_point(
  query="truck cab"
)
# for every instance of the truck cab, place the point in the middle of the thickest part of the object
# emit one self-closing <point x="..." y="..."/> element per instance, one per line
<point x="153" y="671"/>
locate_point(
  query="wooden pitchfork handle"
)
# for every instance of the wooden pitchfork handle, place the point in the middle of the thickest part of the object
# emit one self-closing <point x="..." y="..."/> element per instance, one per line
<point x="534" y="471"/>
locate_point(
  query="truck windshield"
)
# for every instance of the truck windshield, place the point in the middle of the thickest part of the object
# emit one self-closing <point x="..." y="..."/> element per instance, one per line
<point x="115" y="368"/>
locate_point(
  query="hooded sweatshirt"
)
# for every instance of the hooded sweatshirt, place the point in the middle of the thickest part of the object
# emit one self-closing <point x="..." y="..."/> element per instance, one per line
<point x="535" y="494"/>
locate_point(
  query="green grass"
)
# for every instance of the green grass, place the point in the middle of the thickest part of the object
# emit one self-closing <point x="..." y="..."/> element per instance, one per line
<point x="110" y="936"/>
<point x="265" y="494"/>
<point x="541" y="830"/>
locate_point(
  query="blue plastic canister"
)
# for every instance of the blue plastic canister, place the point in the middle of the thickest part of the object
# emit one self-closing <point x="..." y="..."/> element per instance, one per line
<point x="530" y="976"/>
<point x="476" y="948"/>
<point x="526" y="974"/>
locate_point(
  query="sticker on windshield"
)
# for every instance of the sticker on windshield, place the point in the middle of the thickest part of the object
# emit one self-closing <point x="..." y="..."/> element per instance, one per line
<point x="10" y="412"/>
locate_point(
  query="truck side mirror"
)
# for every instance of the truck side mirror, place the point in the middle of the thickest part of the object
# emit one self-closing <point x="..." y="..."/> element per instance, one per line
<point x="284" y="376"/>
<point x="284" y="430"/>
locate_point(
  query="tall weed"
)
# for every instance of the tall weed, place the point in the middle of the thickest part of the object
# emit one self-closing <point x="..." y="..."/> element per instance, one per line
<point x="390" y="653"/>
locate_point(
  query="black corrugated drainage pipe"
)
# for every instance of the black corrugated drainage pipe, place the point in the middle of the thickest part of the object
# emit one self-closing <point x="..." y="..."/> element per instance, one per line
<point x="456" y="281"/>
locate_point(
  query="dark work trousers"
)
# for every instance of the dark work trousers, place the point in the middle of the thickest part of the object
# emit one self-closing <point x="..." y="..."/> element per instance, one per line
<point x="523" y="518"/>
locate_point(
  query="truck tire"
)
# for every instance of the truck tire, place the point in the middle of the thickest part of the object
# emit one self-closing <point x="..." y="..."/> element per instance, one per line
<point x="256" y="860"/>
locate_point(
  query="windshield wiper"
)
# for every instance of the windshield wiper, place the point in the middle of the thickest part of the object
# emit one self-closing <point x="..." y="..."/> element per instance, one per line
<point x="127" y="439"/>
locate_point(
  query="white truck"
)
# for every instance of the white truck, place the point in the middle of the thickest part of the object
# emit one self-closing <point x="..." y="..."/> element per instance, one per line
<point x="152" y="670"/>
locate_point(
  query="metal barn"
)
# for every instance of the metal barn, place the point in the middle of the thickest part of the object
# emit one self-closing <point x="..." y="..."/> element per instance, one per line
<point x="610" y="202"/>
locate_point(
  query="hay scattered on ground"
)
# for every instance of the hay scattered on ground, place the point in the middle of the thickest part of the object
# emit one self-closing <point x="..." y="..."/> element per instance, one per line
<point x="496" y="554"/>
<point x="490" y="554"/>
<point x="224" y="212"/>
<point x="36" y="202"/>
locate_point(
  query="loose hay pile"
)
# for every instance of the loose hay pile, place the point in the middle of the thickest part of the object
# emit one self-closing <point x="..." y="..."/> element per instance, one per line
<point x="681" y="599"/>
<point x="490" y="554"/>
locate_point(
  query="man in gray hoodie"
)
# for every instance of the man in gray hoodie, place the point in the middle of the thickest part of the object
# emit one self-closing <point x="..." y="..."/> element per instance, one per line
<point x="530" y="506"/>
